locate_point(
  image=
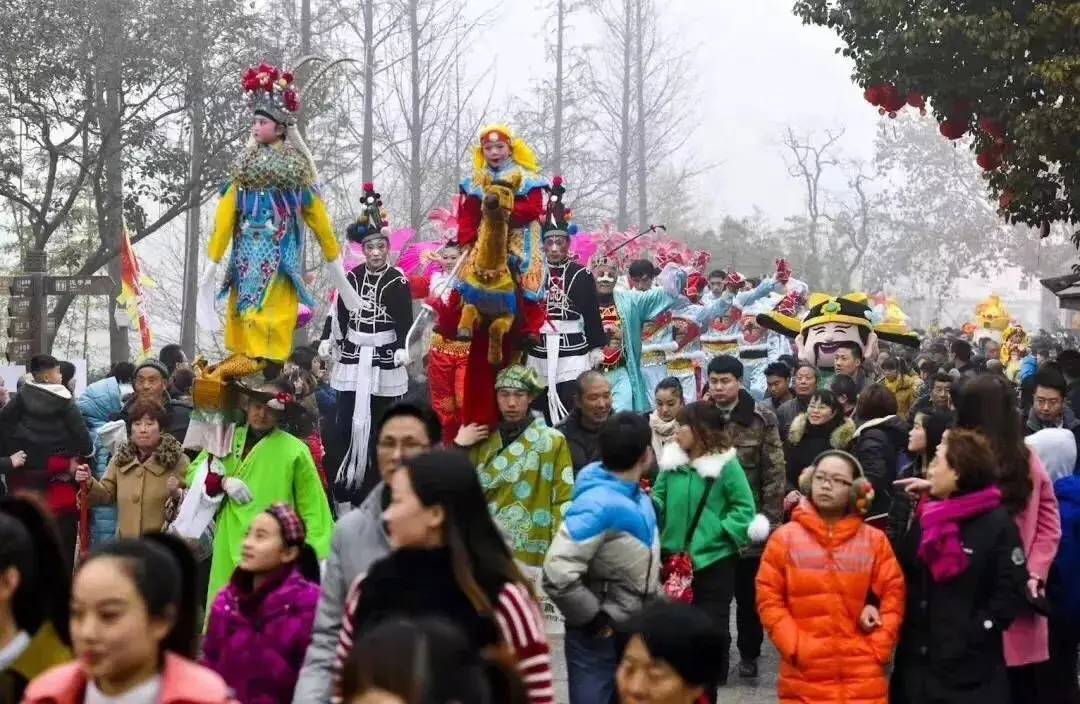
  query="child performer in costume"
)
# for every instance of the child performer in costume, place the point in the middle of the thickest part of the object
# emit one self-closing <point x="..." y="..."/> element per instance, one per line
<point x="572" y="336"/>
<point x="369" y="346"/>
<point x="502" y="158"/>
<point x="624" y="313"/>
<point x="272" y="189"/>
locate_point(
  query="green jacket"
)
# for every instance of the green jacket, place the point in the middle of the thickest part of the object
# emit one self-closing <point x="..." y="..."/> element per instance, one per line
<point x="722" y="529"/>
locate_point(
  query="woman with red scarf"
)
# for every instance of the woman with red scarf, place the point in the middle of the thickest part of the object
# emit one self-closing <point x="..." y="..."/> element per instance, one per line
<point x="966" y="573"/>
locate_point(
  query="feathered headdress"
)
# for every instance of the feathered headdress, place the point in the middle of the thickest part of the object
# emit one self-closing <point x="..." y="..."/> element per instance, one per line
<point x="372" y="221"/>
<point x="520" y="152"/>
<point x="272" y="93"/>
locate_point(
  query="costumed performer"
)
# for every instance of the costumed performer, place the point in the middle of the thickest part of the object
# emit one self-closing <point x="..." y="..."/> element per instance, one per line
<point x="1014" y="350"/>
<point x="265" y="464"/>
<point x="448" y="353"/>
<point x="832" y="320"/>
<point x="368" y="346"/>
<point x="272" y="188"/>
<point x="524" y="466"/>
<point x="501" y="162"/>
<point x="722" y="325"/>
<point x="623" y="313"/>
<point x="572" y="335"/>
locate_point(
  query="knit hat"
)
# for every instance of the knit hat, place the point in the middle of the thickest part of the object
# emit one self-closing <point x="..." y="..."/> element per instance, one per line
<point x="293" y="532"/>
<point x="155" y="364"/>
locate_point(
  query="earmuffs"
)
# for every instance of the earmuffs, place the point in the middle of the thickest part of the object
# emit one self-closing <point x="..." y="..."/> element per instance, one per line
<point x="861" y="492"/>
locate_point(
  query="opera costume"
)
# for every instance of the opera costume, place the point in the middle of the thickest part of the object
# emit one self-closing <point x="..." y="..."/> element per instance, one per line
<point x="368" y="346"/>
<point x="572" y="333"/>
<point x="271" y="194"/>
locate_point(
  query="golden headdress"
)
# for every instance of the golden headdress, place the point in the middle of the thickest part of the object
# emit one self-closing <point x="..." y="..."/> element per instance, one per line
<point x="520" y="152"/>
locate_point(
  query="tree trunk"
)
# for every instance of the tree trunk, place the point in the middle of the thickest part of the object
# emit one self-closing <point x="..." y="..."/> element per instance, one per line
<point x="367" y="139"/>
<point x="194" y="214"/>
<point x="557" y="132"/>
<point x="300" y="335"/>
<point x="642" y="165"/>
<point x="622" y="219"/>
<point x="416" y="178"/>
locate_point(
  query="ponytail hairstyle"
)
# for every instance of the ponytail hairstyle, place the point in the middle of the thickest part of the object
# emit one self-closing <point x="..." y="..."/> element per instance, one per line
<point x="427" y="661"/>
<point x="162" y="569"/>
<point x="30" y="542"/>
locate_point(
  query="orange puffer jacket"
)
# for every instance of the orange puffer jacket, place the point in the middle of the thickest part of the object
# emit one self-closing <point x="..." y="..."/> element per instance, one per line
<point x="811" y="588"/>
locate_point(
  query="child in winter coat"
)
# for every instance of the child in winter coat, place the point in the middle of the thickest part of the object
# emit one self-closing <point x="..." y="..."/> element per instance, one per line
<point x="260" y="624"/>
<point x="812" y="588"/>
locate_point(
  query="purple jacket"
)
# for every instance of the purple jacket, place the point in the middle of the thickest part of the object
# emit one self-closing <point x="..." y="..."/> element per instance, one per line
<point x="256" y="641"/>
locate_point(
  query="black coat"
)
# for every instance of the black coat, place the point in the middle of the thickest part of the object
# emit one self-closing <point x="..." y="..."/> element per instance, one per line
<point x="950" y="649"/>
<point x="880" y="445"/>
<point x="43" y="420"/>
<point x="584" y="443"/>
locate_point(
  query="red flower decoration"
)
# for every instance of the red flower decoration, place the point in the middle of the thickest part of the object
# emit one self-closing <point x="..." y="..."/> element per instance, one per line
<point x="292" y="101"/>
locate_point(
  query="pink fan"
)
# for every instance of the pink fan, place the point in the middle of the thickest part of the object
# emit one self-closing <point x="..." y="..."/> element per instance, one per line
<point x="583" y="246"/>
<point x="447" y="217"/>
<point x="354" y="256"/>
<point x="400" y="238"/>
<point x="418" y="259"/>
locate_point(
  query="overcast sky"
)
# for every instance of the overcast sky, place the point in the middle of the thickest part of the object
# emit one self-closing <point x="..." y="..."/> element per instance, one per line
<point x="758" y="70"/>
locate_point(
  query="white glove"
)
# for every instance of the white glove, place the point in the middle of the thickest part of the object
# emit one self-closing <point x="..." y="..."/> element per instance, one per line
<point x="205" y="315"/>
<point x="340" y="279"/>
<point x="596" y="357"/>
<point x="326" y="347"/>
<point x="237" y="490"/>
<point x="401" y="357"/>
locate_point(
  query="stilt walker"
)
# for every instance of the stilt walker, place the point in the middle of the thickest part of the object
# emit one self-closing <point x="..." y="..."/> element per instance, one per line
<point x="572" y="337"/>
<point x="368" y="346"/>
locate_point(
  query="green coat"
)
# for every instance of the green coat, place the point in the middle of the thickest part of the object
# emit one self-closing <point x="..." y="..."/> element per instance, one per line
<point x="278" y="468"/>
<point x="528" y="486"/>
<point x="722" y="529"/>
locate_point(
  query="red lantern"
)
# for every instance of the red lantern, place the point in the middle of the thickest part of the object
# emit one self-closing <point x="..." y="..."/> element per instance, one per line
<point x="992" y="128"/>
<point x="953" y="129"/>
<point x="989" y="159"/>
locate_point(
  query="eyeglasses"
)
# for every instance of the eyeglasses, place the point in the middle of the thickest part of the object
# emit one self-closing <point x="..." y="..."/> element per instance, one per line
<point x="826" y="480"/>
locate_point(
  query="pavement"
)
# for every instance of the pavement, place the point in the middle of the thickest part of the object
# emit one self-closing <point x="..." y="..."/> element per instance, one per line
<point x="738" y="691"/>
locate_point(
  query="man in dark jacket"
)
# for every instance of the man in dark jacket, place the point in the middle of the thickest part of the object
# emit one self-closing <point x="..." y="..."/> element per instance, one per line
<point x="761" y="453"/>
<point x="151" y="381"/>
<point x="592" y="406"/>
<point x="43" y="422"/>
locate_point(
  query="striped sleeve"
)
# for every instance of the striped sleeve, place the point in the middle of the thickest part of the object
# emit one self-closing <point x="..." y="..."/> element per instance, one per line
<point x="345" y="639"/>
<point x="523" y="628"/>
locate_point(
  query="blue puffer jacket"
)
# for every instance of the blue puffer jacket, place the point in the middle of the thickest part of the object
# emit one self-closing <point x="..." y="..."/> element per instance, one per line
<point x="98" y="404"/>
<point x="606" y="553"/>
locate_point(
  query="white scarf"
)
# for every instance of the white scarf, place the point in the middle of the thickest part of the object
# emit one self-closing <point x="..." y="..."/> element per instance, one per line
<point x="663" y="431"/>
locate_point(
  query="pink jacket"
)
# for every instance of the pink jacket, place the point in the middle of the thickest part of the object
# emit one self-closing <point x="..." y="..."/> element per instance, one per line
<point x="182" y="682"/>
<point x="1026" y="641"/>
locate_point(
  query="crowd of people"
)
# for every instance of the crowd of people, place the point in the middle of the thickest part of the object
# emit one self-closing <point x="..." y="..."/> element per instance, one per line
<point x="921" y="557"/>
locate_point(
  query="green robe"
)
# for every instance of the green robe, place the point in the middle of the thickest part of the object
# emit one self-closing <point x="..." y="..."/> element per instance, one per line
<point x="278" y="468"/>
<point x="528" y="487"/>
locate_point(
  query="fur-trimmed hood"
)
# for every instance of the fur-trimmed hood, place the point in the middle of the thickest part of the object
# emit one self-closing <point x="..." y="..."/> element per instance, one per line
<point x="839" y="438"/>
<point x="707" y="466"/>
<point x="167" y="454"/>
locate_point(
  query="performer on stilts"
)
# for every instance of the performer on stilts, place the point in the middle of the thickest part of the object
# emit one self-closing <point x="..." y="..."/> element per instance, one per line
<point x="572" y="336"/>
<point x="272" y="192"/>
<point x="502" y="202"/>
<point x="369" y="348"/>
